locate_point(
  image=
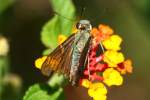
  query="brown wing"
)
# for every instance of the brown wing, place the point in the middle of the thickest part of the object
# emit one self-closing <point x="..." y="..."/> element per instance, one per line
<point x="60" y="59"/>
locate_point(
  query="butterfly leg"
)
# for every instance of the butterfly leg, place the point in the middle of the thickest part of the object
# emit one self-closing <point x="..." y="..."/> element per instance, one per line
<point x="88" y="67"/>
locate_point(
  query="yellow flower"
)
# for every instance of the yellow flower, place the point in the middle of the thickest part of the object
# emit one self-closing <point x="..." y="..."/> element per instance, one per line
<point x="100" y="97"/>
<point x="112" y="77"/>
<point x="39" y="62"/>
<point x="74" y="29"/>
<point x="113" y="42"/>
<point x="61" y="38"/>
<point x="85" y="83"/>
<point x="98" y="91"/>
<point x="113" y="58"/>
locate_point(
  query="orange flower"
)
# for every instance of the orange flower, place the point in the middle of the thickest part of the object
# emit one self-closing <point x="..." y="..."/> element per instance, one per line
<point x="105" y="29"/>
<point x="95" y="32"/>
<point x="127" y="67"/>
<point x="102" y="33"/>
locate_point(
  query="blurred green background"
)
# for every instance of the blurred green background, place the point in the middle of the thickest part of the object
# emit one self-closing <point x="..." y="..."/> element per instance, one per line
<point x="21" y="22"/>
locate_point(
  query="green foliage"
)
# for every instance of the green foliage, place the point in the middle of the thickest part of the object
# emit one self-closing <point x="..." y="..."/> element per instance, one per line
<point x="3" y="71"/>
<point x="3" y="65"/>
<point x="43" y="92"/>
<point x="10" y="84"/>
<point x="59" y="24"/>
<point x="4" y="4"/>
<point x="56" y="80"/>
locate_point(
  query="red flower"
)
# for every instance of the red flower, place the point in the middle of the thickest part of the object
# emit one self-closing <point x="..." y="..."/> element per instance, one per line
<point x="93" y="66"/>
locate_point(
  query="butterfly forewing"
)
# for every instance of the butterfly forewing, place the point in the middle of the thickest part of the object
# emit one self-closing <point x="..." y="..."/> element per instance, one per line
<point x="59" y="59"/>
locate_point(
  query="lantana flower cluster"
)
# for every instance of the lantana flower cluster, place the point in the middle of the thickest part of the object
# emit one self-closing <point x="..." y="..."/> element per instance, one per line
<point x="107" y="68"/>
<point x="103" y="70"/>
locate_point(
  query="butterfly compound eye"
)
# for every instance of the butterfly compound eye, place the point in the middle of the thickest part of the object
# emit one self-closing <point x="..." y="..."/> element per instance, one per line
<point x="78" y="25"/>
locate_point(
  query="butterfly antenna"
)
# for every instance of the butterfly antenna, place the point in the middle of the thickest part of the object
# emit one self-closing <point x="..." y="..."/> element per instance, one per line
<point x="56" y="13"/>
<point x="82" y="12"/>
<point x="101" y="15"/>
<point x="89" y="67"/>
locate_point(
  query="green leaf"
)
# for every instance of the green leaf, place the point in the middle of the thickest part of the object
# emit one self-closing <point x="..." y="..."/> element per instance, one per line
<point x="59" y="24"/>
<point x="58" y="95"/>
<point x="4" y="4"/>
<point x="47" y="51"/>
<point x="43" y="92"/>
<point x="66" y="11"/>
<point x="56" y="80"/>
<point x="50" y="32"/>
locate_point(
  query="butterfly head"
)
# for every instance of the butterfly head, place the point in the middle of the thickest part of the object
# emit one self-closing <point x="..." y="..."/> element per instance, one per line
<point x="84" y="25"/>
